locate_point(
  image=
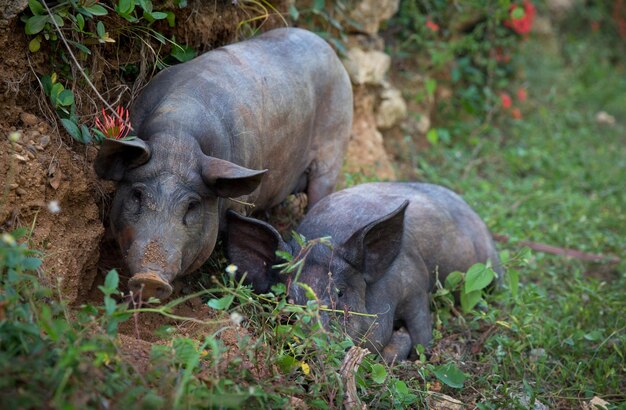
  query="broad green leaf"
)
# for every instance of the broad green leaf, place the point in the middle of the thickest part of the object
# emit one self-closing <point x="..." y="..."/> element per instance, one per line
<point x="450" y="375"/>
<point x="86" y="135"/>
<point x="35" y="44"/>
<point x="112" y="280"/>
<point x="478" y="277"/>
<point x="46" y="82"/>
<point x="101" y="30"/>
<point x="287" y="363"/>
<point x="80" y="46"/>
<point x="183" y="53"/>
<point x="431" y="86"/>
<point x="222" y="303"/>
<point x="469" y="300"/>
<point x="58" y="19"/>
<point x="35" y="24"/>
<point x="125" y="7"/>
<point x="158" y="15"/>
<point x="379" y="373"/>
<point x="401" y="387"/>
<point x="97" y="10"/>
<point x="72" y="129"/>
<point x="80" y="22"/>
<point x="171" y="19"/>
<point x="293" y="12"/>
<point x="36" y="7"/>
<point x="432" y="136"/>
<point x="109" y="305"/>
<point x="453" y="280"/>
<point x="31" y="263"/>
<point x="65" y="98"/>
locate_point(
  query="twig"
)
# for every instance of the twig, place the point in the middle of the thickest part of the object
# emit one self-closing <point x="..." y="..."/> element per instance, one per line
<point x="348" y="371"/>
<point x="556" y="250"/>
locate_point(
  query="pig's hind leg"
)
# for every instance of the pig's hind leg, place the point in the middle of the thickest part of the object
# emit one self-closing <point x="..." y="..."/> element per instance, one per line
<point x="418" y="321"/>
<point x="399" y="347"/>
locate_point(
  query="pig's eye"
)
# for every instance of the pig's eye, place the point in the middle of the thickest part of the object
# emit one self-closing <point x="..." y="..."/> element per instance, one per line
<point x="137" y="195"/>
<point x="192" y="206"/>
<point x="339" y="292"/>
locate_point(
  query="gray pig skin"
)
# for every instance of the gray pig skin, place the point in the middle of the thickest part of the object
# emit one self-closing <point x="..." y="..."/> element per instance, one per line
<point x="390" y="241"/>
<point x="255" y="120"/>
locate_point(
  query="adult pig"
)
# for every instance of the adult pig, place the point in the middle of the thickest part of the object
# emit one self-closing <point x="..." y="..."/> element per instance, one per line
<point x="390" y="242"/>
<point x="256" y="120"/>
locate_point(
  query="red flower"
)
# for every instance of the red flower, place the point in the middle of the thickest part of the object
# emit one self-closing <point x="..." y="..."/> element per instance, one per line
<point x="434" y="27"/>
<point x="516" y="113"/>
<point x="114" y="127"/>
<point x="506" y="100"/>
<point x="522" y="95"/>
<point x="524" y="24"/>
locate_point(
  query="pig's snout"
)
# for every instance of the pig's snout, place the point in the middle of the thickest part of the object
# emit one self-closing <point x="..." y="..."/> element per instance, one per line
<point x="150" y="284"/>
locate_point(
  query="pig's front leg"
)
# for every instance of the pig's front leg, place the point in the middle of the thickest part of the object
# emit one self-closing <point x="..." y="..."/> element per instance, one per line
<point x="418" y="321"/>
<point x="398" y="347"/>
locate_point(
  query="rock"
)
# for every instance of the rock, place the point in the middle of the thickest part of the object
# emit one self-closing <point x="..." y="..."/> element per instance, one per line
<point x="367" y="67"/>
<point x="9" y="9"/>
<point x="392" y="108"/>
<point x="370" y="13"/>
<point x="44" y="141"/>
<point x="438" y="401"/>
<point x="596" y="404"/>
<point x="604" y="118"/>
<point x="29" y="119"/>
<point x="423" y="124"/>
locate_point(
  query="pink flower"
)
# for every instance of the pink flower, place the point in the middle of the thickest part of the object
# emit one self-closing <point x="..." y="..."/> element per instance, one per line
<point x="522" y="95"/>
<point x="114" y="127"/>
<point x="434" y="27"/>
<point x="506" y="100"/>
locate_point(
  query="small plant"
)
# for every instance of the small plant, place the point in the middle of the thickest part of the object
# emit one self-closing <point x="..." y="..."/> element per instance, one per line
<point x="114" y="127"/>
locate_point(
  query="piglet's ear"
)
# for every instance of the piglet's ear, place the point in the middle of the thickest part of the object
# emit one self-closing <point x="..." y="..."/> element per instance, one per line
<point x="116" y="156"/>
<point x="252" y="246"/>
<point x="374" y="247"/>
<point x="229" y="180"/>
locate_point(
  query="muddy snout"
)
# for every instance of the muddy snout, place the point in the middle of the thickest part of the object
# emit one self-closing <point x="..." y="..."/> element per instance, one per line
<point x="150" y="284"/>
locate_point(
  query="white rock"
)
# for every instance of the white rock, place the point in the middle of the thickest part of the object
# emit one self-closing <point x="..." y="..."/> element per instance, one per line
<point x="370" y="13"/>
<point x="605" y="118"/>
<point x="392" y="108"/>
<point x="367" y="67"/>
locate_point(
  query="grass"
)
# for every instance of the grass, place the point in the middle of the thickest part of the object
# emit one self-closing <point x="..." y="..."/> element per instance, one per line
<point x="555" y="177"/>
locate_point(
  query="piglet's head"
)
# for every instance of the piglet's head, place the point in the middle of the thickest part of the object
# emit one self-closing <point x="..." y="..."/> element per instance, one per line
<point x="165" y="215"/>
<point x="340" y="276"/>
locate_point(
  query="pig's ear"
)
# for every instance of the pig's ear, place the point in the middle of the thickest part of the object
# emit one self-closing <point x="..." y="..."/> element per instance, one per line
<point x="229" y="180"/>
<point x="116" y="156"/>
<point x="252" y="246"/>
<point x="373" y="248"/>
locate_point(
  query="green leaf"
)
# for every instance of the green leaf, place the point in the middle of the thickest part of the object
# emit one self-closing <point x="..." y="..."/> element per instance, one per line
<point x="80" y="22"/>
<point x="36" y="7"/>
<point x="65" y="98"/>
<point x="287" y="363"/>
<point x="450" y="375"/>
<point x="432" y="136"/>
<point x="112" y="280"/>
<point x="284" y="255"/>
<point x="72" y="129"/>
<point x="125" y="7"/>
<point x="35" y="24"/>
<point x="58" y="19"/>
<point x="54" y="93"/>
<point x="181" y="3"/>
<point x="31" y="263"/>
<point x="101" y="30"/>
<point x="96" y="10"/>
<point x="293" y="12"/>
<point x="146" y="5"/>
<point x="379" y="373"/>
<point x="109" y="305"/>
<point x="158" y="15"/>
<point x="222" y="303"/>
<point x="80" y="46"/>
<point x="478" y="277"/>
<point x="318" y="5"/>
<point x="171" y="19"/>
<point x="453" y="280"/>
<point x="46" y="83"/>
<point x="86" y="135"/>
<point x="469" y="300"/>
<point x="35" y="44"/>
<point x="183" y="53"/>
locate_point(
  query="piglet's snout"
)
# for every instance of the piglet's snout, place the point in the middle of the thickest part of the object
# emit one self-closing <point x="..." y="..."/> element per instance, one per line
<point x="150" y="284"/>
